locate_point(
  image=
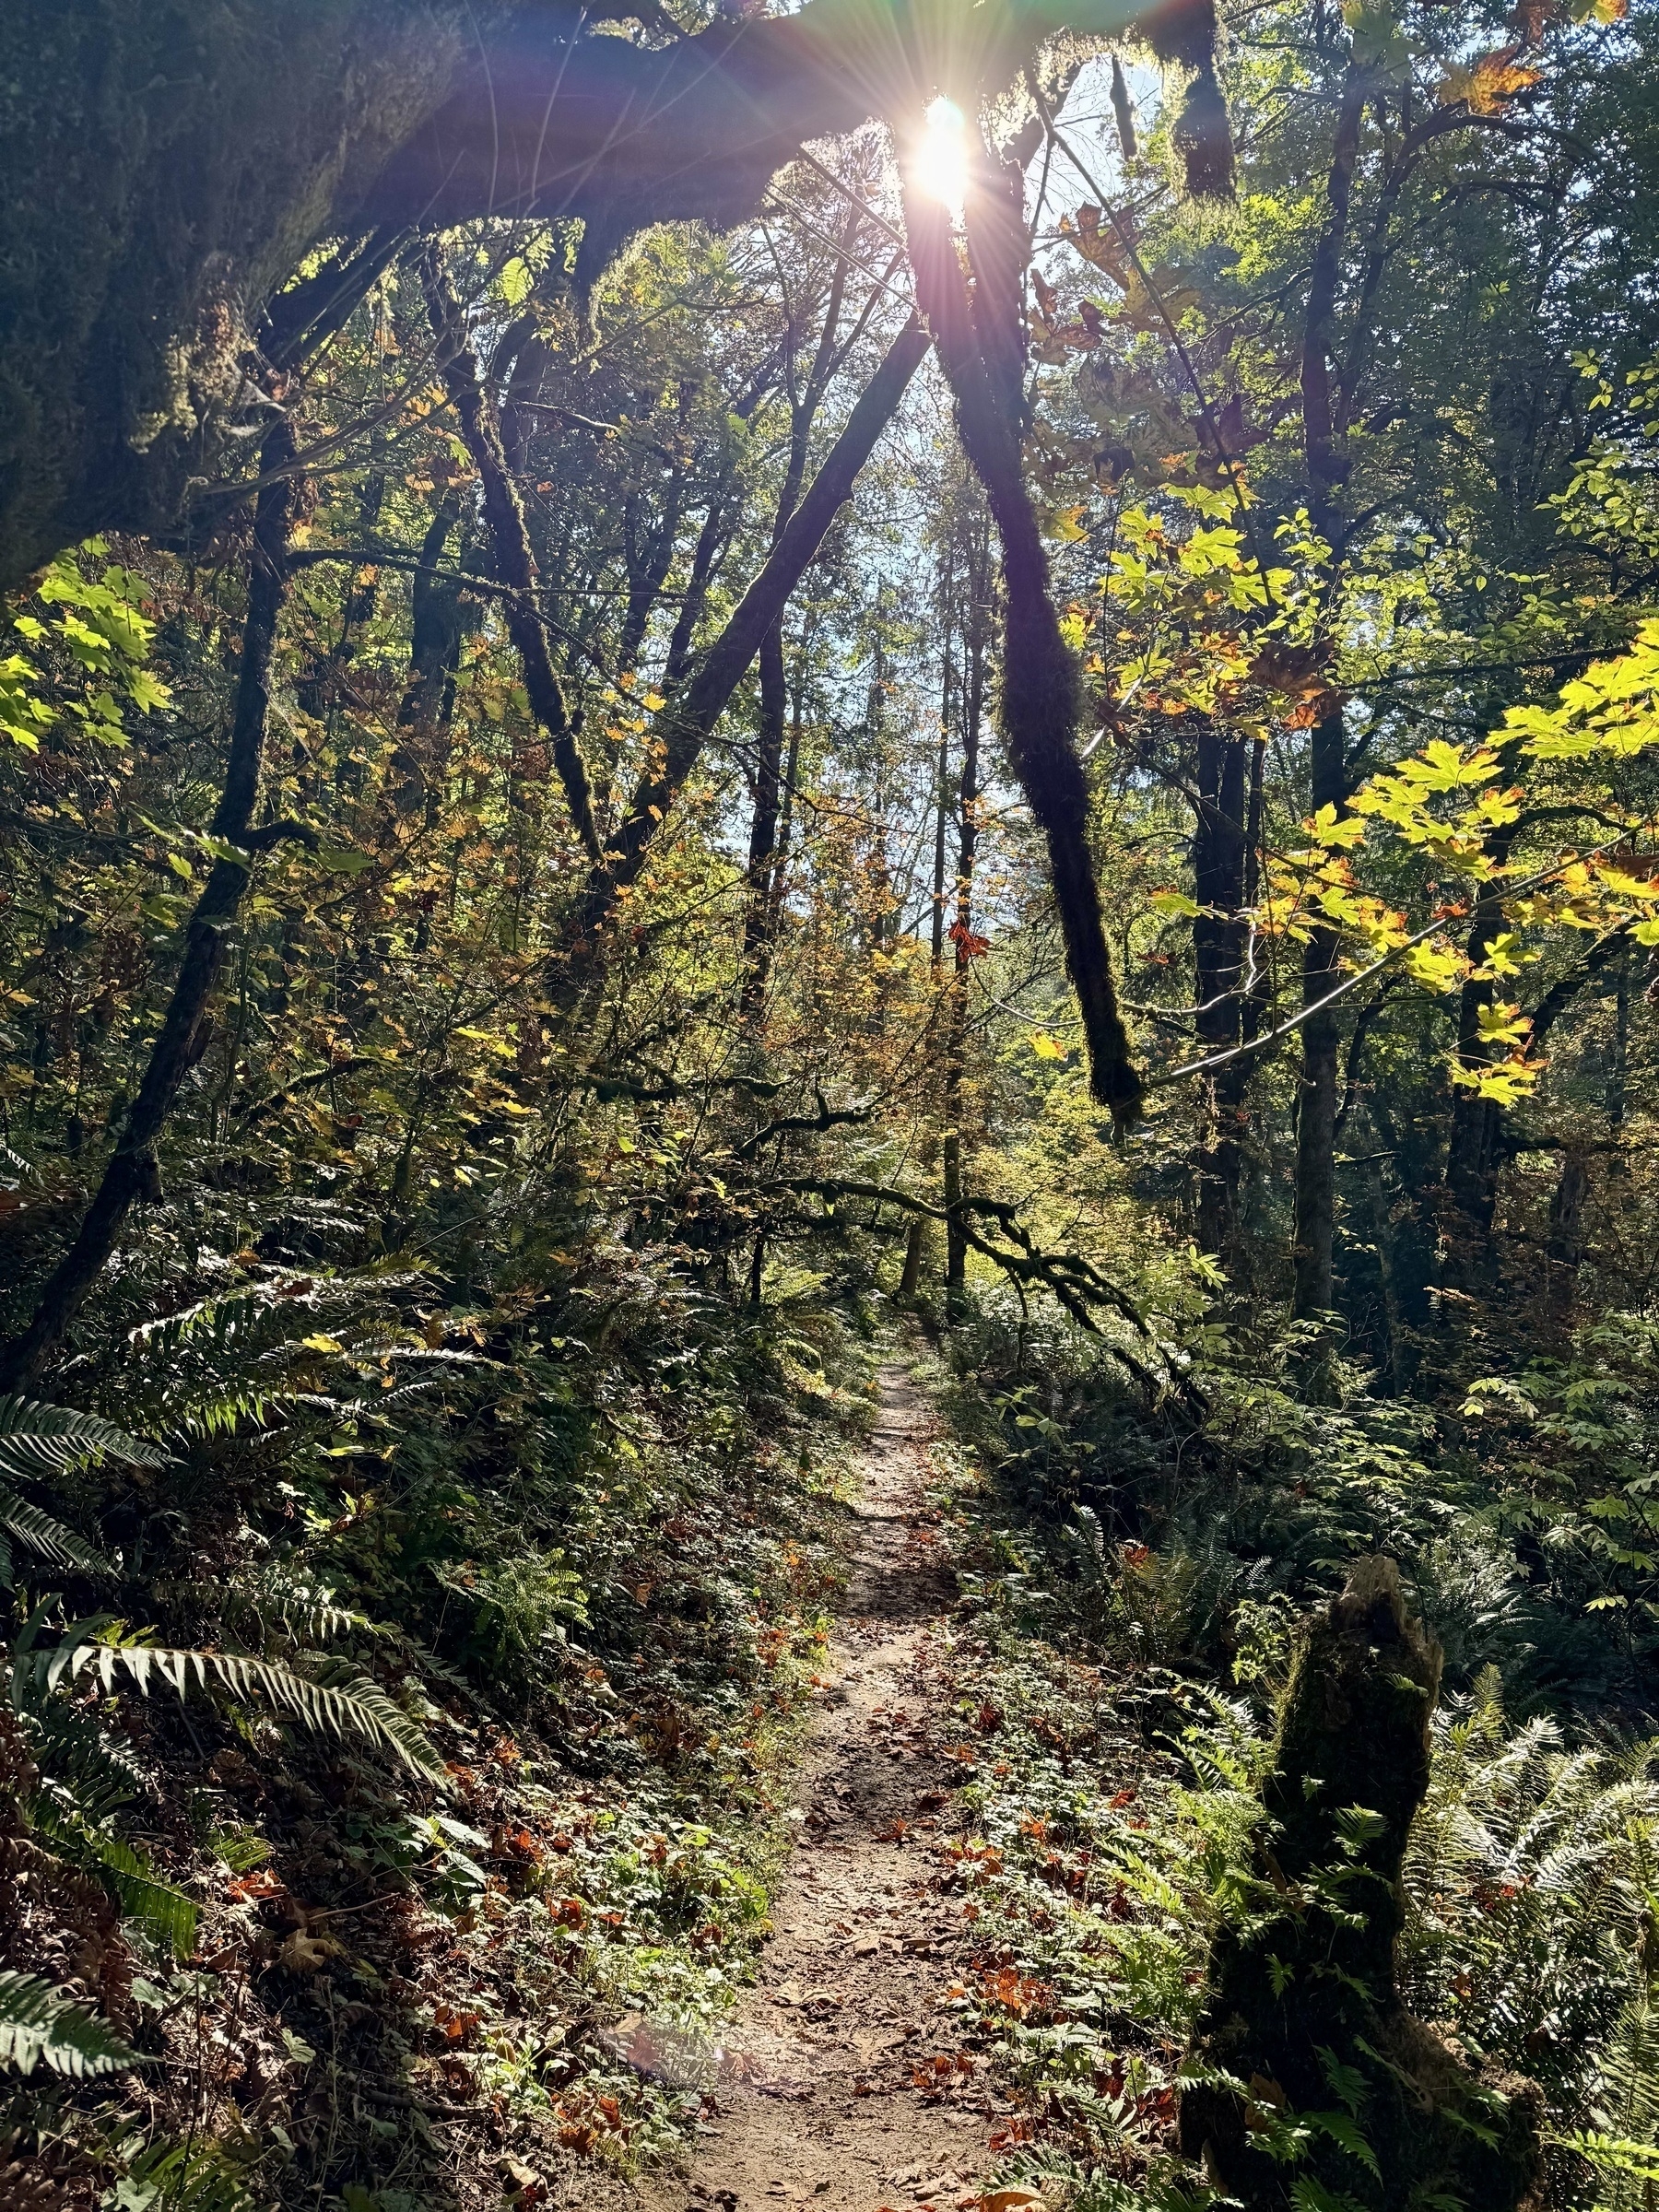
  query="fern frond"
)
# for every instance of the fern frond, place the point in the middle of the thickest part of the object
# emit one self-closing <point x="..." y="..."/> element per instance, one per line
<point x="1615" y="2153"/>
<point x="40" y="2025"/>
<point x="38" y="1439"/>
<point x="327" y="1695"/>
<point x="45" y="1534"/>
<point x="186" y="2177"/>
<point x="165" y="1913"/>
<point x="304" y="1611"/>
<point x="94" y="1775"/>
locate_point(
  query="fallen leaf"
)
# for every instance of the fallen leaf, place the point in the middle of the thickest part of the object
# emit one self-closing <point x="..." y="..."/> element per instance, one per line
<point x="303" y="1954"/>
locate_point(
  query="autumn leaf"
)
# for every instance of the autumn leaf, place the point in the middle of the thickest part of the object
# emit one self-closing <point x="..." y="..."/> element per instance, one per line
<point x="1100" y="248"/>
<point x="1487" y="83"/>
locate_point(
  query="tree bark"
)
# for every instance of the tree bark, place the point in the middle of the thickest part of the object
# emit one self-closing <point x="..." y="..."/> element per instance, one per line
<point x="1311" y="1980"/>
<point x="1315" y="1226"/>
<point x="982" y="353"/>
<point x="172" y="167"/>
<point x="131" y="1173"/>
<point x="514" y="563"/>
<point x="962" y="937"/>
<point x="703" y="557"/>
<point x="805" y="402"/>
<point x="1218" y="972"/>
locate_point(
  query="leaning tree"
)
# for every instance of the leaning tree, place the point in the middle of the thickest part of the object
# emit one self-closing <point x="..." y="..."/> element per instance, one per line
<point x="204" y="192"/>
<point x="171" y="163"/>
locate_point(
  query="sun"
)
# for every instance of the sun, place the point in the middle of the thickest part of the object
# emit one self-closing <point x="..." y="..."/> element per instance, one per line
<point x="939" y="163"/>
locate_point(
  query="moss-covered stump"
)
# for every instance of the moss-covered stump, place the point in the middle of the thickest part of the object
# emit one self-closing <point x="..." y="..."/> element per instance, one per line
<point x="1305" y="2065"/>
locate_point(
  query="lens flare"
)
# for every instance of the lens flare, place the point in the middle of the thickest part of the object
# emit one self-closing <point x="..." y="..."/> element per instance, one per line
<point x="939" y="165"/>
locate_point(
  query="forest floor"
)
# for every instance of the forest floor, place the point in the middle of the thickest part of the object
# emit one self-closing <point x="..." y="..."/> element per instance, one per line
<point x="842" y="2081"/>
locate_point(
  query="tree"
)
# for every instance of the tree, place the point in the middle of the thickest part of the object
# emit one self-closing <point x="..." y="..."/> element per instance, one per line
<point x="176" y="167"/>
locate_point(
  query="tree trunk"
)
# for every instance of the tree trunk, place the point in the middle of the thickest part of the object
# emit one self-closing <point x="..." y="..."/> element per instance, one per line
<point x="704" y="556"/>
<point x="171" y="168"/>
<point x="956" y="1049"/>
<point x="805" y="403"/>
<point x="1219" y="968"/>
<point x="1309" y="1986"/>
<point x="1565" y="1246"/>
<point x="982" y="353"/>
<point x="763" y="823"/>
<point x="435" y="633"/>
<point x="1315" y="1226"/>
<point x="131" y="1173"/>
<point x="514" y="563"/>
<point x="909" y="1279"/>
<point x="690" y="716"/>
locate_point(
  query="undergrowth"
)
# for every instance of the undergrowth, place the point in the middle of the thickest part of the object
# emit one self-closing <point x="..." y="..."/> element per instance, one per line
<point x="378" y="1956"/>
<point x="1117" y="1702"/>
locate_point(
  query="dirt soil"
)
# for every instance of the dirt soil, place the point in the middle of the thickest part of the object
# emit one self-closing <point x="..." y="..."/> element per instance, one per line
<point x="843" y="2084"/>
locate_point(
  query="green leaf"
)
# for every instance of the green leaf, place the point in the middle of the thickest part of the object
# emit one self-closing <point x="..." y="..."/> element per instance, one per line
<point x="165" y="1913"/>
<point x="38" y="2025"/>
<point x="45" y="1440"/>
<point x="1343" y="2130"/>
<point x="344" y="859"/>
<point x="1615" y="2153"/>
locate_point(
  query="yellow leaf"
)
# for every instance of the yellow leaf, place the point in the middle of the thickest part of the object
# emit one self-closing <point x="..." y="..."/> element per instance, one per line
<point x="1489" y="81"/>
<point x="1434" y="967"/>
<point x="1046" y="1048"/>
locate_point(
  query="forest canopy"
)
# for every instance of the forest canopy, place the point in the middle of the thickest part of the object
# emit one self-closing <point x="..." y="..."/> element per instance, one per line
<point x="696" y="705"/>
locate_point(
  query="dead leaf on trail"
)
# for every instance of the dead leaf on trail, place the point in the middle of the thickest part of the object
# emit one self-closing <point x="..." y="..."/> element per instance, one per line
<point x="1006" y="2200"/>
<point x="523" y="2182"/>
<point x="303" y="1954"/>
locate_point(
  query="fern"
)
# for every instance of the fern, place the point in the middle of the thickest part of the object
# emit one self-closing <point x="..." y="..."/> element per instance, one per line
<point x="39" y="1441"/>
<point x="78" y="1762"/>
<point x="48" y="1439"/>
<point x="38" y="2025"/>
<point x="327" y="1695"/>
<point x="185" y="2177"/>
<point x="1532" y="1878"/>
<point x="1615" y="2153"/>
<point x="1624" y="2144"/>
<point x="166" y="1914"/>
<point x="276" y="1598"/>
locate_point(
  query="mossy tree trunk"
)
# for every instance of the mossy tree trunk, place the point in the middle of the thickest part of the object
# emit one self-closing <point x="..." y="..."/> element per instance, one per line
<point x="170" y="163"/>
<point x="1305" y="2063"/>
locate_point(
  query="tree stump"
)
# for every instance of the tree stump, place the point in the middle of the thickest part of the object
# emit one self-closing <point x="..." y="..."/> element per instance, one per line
<point x="1305" y="2065"/>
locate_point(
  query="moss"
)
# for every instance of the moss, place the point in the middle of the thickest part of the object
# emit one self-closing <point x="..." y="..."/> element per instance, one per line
<point x="1303" y="2013"/>
<point x="170" y="164"/>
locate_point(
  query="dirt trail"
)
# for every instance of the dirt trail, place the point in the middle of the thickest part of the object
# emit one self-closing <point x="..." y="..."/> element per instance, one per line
<point x="823" y="2106"/>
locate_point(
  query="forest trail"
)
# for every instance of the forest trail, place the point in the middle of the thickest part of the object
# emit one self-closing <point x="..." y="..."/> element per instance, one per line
<point x="820" y="2099"/>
